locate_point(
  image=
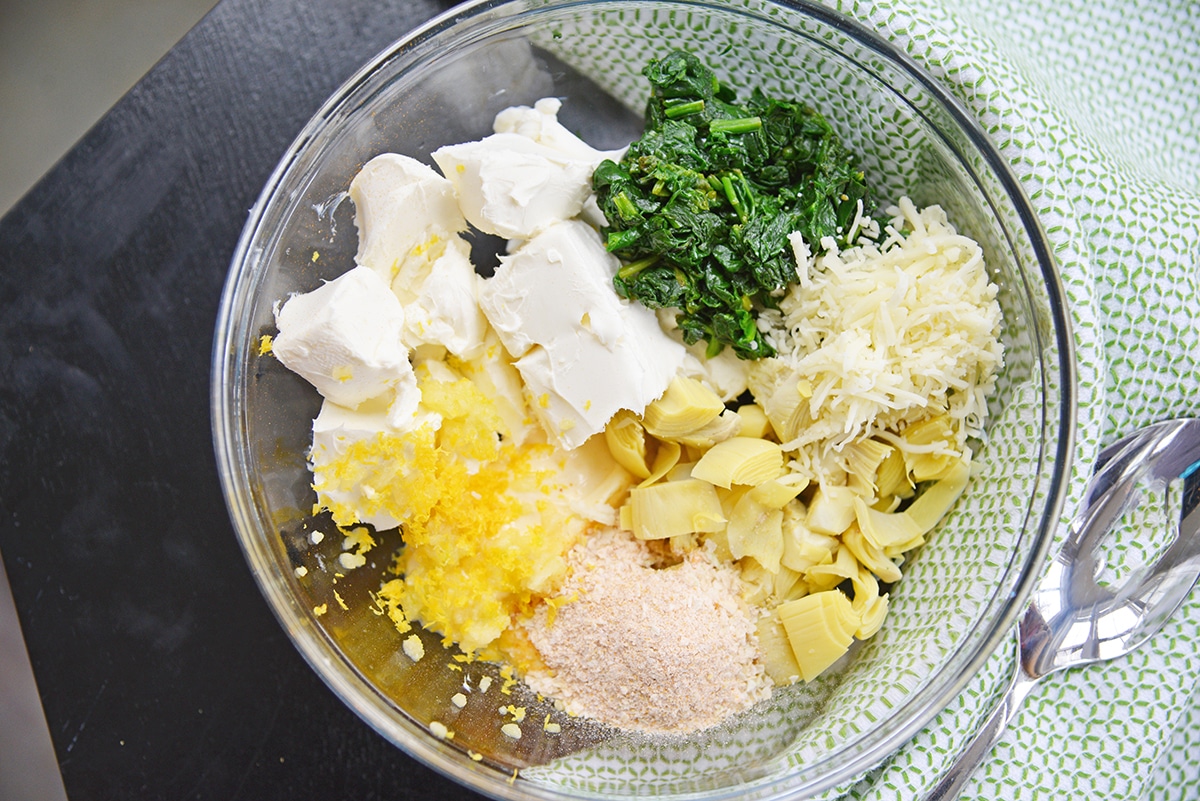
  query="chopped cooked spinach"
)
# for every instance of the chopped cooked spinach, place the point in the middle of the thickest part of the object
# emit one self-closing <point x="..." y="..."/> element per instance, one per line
<point x="701" y="206"/>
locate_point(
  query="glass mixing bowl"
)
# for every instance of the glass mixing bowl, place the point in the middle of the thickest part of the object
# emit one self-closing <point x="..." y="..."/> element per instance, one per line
<point x="443" y="84"/>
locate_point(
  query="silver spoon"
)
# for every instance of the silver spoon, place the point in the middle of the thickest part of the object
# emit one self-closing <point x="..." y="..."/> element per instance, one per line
<point x="1071" y="620"/>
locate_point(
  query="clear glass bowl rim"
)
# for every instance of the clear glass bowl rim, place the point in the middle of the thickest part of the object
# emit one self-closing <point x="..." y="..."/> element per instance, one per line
<point x="355" y="691"/>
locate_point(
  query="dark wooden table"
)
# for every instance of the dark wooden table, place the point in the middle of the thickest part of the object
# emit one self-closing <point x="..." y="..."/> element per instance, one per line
<point x="162" y="672"/>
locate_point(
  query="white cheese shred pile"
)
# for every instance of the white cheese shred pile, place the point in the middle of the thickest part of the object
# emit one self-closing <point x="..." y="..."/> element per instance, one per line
<point x="882" y="335"/>
<point x="661" y="651"/>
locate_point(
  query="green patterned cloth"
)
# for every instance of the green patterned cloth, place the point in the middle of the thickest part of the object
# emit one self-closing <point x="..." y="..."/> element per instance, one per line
<point x="1097" y="107"/>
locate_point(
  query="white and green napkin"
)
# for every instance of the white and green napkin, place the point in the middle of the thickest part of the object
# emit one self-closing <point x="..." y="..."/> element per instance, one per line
<point x="1097" y="107"/>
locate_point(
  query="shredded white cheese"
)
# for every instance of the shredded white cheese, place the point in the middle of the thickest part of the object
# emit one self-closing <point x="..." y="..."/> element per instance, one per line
<point x="880" y="336"/>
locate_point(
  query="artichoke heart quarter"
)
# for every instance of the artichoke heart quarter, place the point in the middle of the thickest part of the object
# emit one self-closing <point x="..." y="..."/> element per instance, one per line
<point x="933" y="504"/>
<point x="756" y="530"/>
<point x="626" y="440"/>
<point x="831" y="510"/>
<point x="740" y="460"/>
<point x="685" y="407"/>
<point x="820" y="628"/>
<point x="777" y="657"/>
<point x="666" y="460"/>
<point x="754" y="421"/>
<point x="674" y="508"/>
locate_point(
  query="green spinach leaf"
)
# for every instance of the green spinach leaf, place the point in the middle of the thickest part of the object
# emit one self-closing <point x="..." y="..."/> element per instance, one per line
<point x="701" y="206"/>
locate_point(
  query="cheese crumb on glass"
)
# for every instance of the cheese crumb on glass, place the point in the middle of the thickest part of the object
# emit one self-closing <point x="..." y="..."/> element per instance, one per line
<point x="414" y="649"/>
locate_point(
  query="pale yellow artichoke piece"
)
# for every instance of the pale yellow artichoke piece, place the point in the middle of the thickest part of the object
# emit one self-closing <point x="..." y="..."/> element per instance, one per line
<point x="888" y="503"/>
<point x="869" y="605"/>
<point x="931" y="442"/>
<point x="896" y="552"/>
<point x="756" y="530"/>
<point x="625" y="517"/>
<point x="755" y="525"/>
<point x="754" y="421"/>
<point x="831" y="510"/>
<point x="730" y="497"/>
<point x="844" y="566"/>
<point x="722" y="427"/>
<point x="775" y="651"/>
<point x="887" y="530"/>
<point x="933" y="504"/>
<point x="757" y="583"/>
<point x="683" y="543"/>
<point x="686" y="406"/>
<point x="821" y="582"/>
<point x="802" y="547"/>
<point x="666" y="459"/>
<point x="680" y="472"/>
<point x="931" y="467"/>
<point x="788" y="585"/>
<point x="784" y="585"/>
<point x="673" y="508"/>
<point x="894" y="533"/>
<point x="820" y="628"/>
<point x="801" y="418"/>
<point x="628" y="444"/>
<point x="598" y="481"/>
<point x="779" y="492"/>
<point x="720" y="544"/>
<point x="869" y="556"/>
<point x="863" y="459"/>
<point x="740" y="460"/>
<point x="892" y="477"/>
<point x="873" y="615"/>
<point x="774" y="384"/>
<point x="937" y="429"/>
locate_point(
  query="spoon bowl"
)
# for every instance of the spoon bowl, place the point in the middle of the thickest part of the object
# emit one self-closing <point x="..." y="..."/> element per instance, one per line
<point x="1073" y="619"/>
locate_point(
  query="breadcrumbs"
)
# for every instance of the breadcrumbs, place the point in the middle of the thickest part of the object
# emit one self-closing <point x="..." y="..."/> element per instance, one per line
<point x="661" y="651"/>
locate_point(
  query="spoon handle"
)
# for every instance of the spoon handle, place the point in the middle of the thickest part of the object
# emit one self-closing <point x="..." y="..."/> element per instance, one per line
<point x="988" y="734"/>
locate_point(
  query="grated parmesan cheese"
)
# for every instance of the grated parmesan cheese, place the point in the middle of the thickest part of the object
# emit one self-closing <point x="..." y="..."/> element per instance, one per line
<point x="880" y="336"/>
